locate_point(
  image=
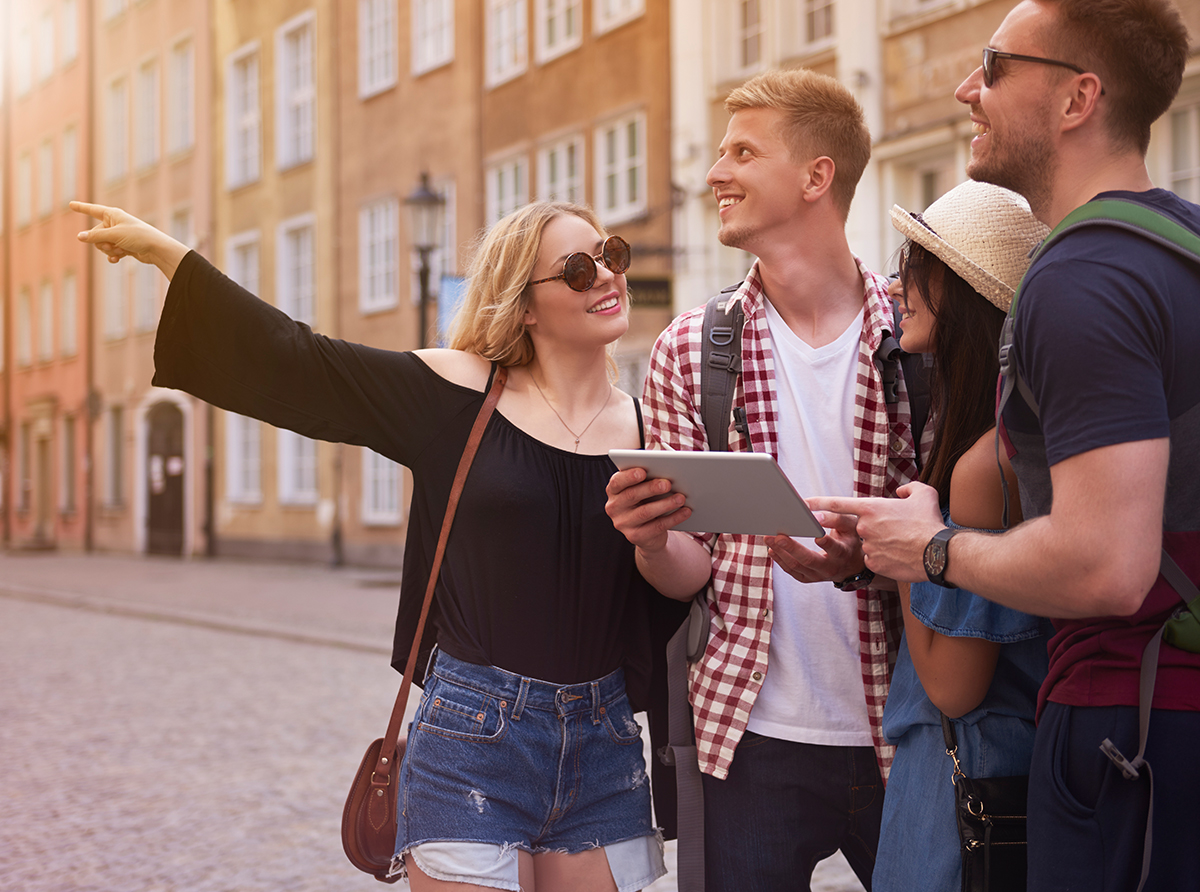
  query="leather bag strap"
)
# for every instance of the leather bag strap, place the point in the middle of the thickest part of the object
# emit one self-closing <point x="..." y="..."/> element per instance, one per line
<point x="388" y="750"/>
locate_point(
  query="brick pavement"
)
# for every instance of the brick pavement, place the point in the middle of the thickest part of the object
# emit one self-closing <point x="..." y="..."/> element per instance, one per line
<point x="192" y="724"/>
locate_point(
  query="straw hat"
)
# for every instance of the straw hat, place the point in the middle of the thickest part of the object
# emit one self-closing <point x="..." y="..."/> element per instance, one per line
<point x="982" y="232"/>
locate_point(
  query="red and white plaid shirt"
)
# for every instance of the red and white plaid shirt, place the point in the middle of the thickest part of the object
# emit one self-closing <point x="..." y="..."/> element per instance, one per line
<point x="726" y="680"/>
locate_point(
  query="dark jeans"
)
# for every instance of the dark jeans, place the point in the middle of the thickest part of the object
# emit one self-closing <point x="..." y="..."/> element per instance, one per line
<point x="1087" y="823"/>
<point x="784" y="807"/>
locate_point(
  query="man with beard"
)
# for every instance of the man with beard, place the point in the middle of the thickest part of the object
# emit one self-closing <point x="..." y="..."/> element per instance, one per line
<point x="792" y="755"/>
<point x="1105" y="330"/>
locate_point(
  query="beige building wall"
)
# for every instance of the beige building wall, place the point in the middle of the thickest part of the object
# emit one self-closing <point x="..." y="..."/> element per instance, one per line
<point x="274" y="121"/>
<point x="153" y="156"/>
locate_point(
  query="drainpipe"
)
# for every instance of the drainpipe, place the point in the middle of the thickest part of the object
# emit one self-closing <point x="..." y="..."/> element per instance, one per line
<point x="6" y="488"/>
<point x="92" y="399"/>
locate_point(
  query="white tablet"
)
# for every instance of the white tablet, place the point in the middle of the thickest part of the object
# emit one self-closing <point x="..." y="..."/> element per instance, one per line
<point x="728" y="492"/>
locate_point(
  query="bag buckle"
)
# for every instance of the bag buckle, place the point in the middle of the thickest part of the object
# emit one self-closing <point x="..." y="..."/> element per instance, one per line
<point x="1117" y="758"/>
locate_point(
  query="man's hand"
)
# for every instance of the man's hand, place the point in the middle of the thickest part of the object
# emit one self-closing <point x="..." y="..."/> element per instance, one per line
<point x="838" y="554"/>
<point x="894" y="532"/>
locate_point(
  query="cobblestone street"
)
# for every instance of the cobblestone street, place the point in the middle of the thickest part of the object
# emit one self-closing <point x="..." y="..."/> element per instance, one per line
<point x="171" y="725"/>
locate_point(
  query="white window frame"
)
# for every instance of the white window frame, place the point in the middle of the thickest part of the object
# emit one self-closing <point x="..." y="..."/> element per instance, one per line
<point x="813" y="42"/>
<point x="507" y="187"/>
<point x="240" y="249"/>
<point x="24" y="209"/>
<point x="23" y="61"/>
<point x="613" y="161"/>
<point x="243" y="122"/>
<point x="113" y="8"/>
<point x="68" y="165"/>
<point x="382" y="490"/>
<point x="745" y="33"/>
<point x="116" y="301"/>
<point x="610" y="14"/>
<point x="243" y="460"/>
<point x="297" y="469"/>
<point x="45" y="45"/>
<point x="554" y="185"/>
<point x="379" y="255"/>
<point x="181" y="96"/>
<point x="68" y="315"/>
<point x="116" y="130"/>
<point x="295" y="273"/>
<point x="24" y="328"/>
<point x="558" y="28"/>
<point x="377" y="47"/>
<point x="1184" y="172"/>
<point x="296" y="90"/>
<point x="45" y="178"/>
<point x="432" y="34"/>
<point x="506" y="41"/>
<point x="70" y="32"/>
<point x="182" y="225"/>
<point x="45" y="327"/>
<point x="146" y="287"/>
<point x="146" y="120"/>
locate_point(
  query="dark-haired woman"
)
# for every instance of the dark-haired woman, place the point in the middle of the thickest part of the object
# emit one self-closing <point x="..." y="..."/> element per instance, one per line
<point x="978" y="663"/>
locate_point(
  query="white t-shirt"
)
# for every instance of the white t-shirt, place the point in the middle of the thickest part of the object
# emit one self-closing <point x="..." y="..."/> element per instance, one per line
<point x="813" y="690"/>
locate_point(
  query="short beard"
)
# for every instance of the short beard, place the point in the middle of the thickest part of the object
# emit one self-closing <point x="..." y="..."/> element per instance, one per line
<point x="1028" y="167"/>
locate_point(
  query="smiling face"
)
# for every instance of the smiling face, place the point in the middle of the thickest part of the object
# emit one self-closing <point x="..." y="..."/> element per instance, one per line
<point x="1013" y="120"/>
<point x="757" y="184"/>
<point x="591" y="318"/>
<point x="917" y="322"/>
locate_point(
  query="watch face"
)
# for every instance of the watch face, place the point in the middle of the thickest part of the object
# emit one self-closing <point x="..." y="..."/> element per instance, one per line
<point x="935" y="558"/>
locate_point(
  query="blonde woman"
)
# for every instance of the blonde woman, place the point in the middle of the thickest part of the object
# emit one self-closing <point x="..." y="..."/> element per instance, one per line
<point x="524" y="765"/>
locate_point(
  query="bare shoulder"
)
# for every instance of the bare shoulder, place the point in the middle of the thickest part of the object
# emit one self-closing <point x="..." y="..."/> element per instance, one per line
<point x="458" y="367"/>
<point x="976" y="496"/>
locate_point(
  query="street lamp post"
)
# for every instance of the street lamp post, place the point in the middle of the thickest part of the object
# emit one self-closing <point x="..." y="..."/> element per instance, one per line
<point x="425" y="220"/>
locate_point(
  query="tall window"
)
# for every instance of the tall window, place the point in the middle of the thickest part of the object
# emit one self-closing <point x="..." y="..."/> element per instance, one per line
<point x="181" y="226"/>
<point x="560" y="171"/>
<point x="297" y="469"/>
<point x="818" y="20"/>
<point x="243" y="459"/>
<point x="66" y="466"/>
<point x="145" y="122"/>
<point x="621" y="169"/>
<point x="46" y="322"/>
<point x="24" y="189"/>
<point x="25" y="467"/>
<point x="1185" y="152"/>
<point x="45" y="45"/>
<point x="24" y="328"/>
<point x="750" y="32"/>
<point x="45" y="178"/>
<point x="114" y="465"/>
<point x="433" y="34"/>
<point x="69" y="164"/>
<point x="113" y="8"/>
<point x="507" y="188"/>
<point x="68" y="316"/>
<point x="244" y="123"/>
<point x="116" y="131"/>
<point x="116" y="300"/>
<point x="559" y="27"/>
<point x="181" y="97"/>
<point x="376" y="46"/>
<point x="146" y="279"/>
<point x="378" y="260"/>
<point x="23" y="61"/>
<point x="608" y="14"/>
<point x="295" y="291"/>
<point x="506" y="40"/>
<point x="70" y="31"/>
<point x="381" y="492"/>
<point x="242" y="255"/>
<point x="296" y="94"/>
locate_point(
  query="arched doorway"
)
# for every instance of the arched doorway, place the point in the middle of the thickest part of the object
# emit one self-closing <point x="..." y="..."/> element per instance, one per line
<point x="164" y="480"/>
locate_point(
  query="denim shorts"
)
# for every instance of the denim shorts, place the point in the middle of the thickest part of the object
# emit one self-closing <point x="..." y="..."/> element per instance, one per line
<point x="497" y="763"/>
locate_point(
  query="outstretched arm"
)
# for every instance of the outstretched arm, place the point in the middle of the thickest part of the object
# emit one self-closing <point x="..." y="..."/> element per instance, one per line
<point x="120" y="234"/>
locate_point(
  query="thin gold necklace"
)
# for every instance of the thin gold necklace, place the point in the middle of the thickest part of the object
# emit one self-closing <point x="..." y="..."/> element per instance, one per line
<point x="577" y="436"/>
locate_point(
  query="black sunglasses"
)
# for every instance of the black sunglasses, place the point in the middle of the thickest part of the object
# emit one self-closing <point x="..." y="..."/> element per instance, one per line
<point x="580" y="268"/>
<point x="990" y="56"/>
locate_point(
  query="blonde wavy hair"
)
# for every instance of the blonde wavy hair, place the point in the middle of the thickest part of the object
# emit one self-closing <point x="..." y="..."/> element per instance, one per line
<point x="491" y="320"/>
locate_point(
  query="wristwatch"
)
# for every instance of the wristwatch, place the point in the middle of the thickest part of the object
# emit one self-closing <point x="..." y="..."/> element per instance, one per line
<point x="937" y="557"/>
<point x="855" y="582"/>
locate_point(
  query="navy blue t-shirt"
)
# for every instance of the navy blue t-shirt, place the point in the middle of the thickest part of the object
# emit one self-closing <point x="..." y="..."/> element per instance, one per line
<point x="1108" y="339"/>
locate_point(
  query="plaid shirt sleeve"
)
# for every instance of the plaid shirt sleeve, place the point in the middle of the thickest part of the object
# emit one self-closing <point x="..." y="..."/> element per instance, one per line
<point x="725" y="682"/>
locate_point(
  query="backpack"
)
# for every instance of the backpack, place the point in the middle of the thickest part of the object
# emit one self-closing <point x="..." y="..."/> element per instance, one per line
<point x="1182" y="628"/>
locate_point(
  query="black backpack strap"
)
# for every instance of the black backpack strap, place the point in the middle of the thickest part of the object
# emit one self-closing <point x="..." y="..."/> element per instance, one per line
<point x="720" y="365"/>
<point x="891" y="359"/>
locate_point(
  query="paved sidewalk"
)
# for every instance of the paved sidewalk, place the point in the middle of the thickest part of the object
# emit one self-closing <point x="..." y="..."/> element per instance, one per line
<point x="192" y="725"/>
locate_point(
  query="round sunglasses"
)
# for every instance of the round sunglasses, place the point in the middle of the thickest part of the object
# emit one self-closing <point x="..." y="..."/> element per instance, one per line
<point x="580" y="269"/>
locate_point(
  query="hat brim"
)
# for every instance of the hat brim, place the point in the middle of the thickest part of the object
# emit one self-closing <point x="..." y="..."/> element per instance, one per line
<point x="994" y="290"/>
